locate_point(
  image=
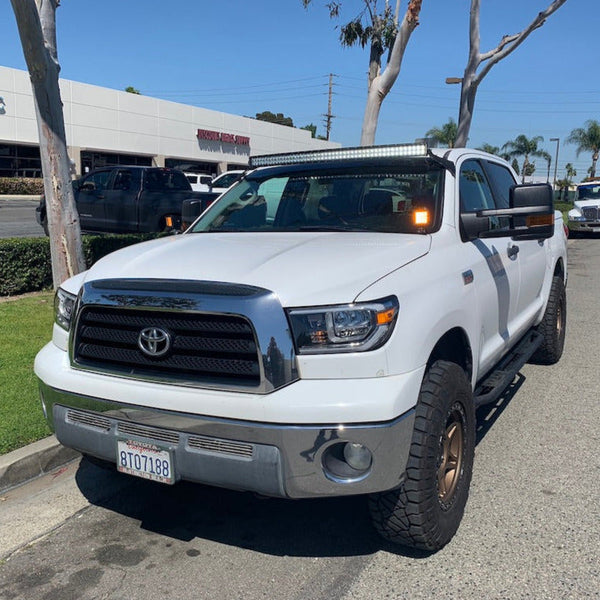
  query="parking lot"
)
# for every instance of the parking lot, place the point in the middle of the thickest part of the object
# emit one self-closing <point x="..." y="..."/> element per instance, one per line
<point x="531" y="527"/>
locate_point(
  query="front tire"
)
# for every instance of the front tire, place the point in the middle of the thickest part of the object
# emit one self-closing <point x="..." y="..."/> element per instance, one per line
<point x="427" y="508"/>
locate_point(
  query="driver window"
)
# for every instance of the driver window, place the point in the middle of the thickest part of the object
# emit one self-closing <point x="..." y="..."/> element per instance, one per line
<point x="475" y="192"/>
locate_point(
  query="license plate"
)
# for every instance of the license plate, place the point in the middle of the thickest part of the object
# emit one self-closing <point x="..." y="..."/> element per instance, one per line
<point x="146" y="460"/>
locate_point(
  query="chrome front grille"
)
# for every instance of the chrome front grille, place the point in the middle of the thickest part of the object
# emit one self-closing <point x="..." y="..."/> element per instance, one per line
<point x="88" y="419"/>
<point x="590" y="213"/>
<point x="153" y="433"/>
<point x="211" y="444"/>
<point x="160" y="435"/>
<point x="203" y="347"/>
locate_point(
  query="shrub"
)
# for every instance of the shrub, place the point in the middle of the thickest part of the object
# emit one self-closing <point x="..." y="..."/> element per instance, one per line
<point x="25" y="264"/>
<point x="21" y="186"/>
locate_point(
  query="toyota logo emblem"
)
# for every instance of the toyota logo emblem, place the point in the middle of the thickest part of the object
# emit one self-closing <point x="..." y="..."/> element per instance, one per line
<point x="154" y="341"/>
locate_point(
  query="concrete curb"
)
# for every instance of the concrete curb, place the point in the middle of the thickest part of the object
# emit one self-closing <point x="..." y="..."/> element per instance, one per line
<point x="33" y="460"/>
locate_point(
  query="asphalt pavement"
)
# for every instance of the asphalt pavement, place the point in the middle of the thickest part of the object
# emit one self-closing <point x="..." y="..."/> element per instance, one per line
<point x="17" y="217"/>
<point x="530" y="530"/>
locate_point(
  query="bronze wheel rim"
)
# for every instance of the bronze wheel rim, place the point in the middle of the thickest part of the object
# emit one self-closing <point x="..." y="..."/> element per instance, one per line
<point x="451" y="458"/>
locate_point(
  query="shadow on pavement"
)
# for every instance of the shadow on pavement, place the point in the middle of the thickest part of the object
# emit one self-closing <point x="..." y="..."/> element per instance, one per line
<point x="316" y="528"/>
<point x="324" y="527"/>
<point x="488" y="414"/>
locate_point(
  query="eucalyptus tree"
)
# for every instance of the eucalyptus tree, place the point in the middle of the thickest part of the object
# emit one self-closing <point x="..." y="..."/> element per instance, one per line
<point x="379" y="28"/>
<point x="527" y="148"/>
<point x="479" y="64"/>
<point x="587" y="139"/>
<point x="446" y="134"/>
<point x="36" y="21"/>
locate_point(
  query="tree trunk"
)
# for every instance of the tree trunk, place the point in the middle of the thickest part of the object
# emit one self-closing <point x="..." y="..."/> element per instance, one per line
<point x="381" y="85"/>
<point x="472" y="78"/>
<point x="594" y="161"/>
<point x="37" y="29"/>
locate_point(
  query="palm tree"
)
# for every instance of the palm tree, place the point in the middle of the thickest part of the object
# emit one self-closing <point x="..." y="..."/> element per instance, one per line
<point x="489" y="149"/>
<point x="587" y="139"/>
<point x="546" y="156"/>
<point x="445" y="135"/>
<point x="525" y="147"/>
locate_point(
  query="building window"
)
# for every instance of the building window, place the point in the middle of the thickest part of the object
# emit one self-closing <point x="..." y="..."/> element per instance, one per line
<point x="95" y="160"/>
<point x="20" y="161"/>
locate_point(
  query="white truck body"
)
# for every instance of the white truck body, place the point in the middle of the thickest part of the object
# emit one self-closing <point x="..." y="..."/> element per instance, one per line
<point x="478" y="298"/>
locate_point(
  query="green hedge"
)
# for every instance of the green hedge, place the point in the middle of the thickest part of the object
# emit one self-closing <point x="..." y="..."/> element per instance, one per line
<point x="21" y="186"/>
<point x="25" y="264"/>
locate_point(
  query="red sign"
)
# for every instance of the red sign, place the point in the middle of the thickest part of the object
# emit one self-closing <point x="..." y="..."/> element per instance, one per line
<point x="226" y="138"/>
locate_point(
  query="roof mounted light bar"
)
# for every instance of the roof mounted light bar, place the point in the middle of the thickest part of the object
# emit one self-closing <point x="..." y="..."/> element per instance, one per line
<point x="291" y="158"/>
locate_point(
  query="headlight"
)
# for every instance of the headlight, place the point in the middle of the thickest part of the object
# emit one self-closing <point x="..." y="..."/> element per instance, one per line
<point x="343" y="328"/>
<point x="64" y="302"/>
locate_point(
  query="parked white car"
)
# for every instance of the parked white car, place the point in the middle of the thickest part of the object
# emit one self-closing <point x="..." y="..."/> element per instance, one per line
<point x="225" y="180"/>
<point x="327" y="327"/>
<point x="585" y="214"/>
<point x="200" y="182"/>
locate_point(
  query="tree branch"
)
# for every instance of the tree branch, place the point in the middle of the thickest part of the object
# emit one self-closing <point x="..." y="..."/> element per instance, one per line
<point x="511" y="43"/>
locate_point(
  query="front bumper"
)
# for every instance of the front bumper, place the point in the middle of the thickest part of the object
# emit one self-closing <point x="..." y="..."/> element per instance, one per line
<point x="583" y="226"/>
<point x="293" y="461"/>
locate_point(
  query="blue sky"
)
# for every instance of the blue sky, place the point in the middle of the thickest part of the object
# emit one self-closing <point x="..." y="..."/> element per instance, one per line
<point x="246" y="57"/>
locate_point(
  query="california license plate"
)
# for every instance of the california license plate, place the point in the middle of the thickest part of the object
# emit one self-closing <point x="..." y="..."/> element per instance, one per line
<point x="144" y="459"/>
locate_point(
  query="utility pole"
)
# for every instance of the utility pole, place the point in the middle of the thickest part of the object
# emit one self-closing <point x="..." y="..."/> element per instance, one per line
<point x="329" y="117"/>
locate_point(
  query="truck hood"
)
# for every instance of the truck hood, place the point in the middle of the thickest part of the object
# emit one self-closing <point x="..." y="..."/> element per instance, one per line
<point x="303" y="269"/>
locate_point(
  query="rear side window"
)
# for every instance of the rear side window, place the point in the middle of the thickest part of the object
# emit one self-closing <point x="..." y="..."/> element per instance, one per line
<point x="160" y="180"/>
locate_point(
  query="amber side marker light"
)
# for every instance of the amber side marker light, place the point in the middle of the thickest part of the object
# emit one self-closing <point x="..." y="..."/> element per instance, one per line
<point x="539" y="220"/>
<point x="386" y="316"/>
<point x="169" y="221"/>
<point x="421" y="217"/>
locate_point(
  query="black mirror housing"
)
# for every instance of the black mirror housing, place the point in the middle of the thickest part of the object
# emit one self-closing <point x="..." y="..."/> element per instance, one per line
<point x="531" y="213"/>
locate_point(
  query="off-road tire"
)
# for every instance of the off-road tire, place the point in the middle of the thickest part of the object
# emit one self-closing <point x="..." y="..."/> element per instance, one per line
<point x="426" y="510"/>
<point x="553" y="326"/>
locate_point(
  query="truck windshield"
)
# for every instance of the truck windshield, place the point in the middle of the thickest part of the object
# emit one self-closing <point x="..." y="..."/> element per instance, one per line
<point x="389" y="201"/>
<point x="590" y="191"/>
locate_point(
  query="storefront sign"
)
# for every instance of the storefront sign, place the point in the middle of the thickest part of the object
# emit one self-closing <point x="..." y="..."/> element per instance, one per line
<point x="226" y="138"/>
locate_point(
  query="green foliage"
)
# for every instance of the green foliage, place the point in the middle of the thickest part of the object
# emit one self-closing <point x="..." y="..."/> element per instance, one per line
<point x="446" y="134"/>
<point x="25" y="264"/>
<point x="131" y="90"/>
<point x="312" y="128"/>
<point x="279" y="118"/>
<point x="25" y="326"/>
<point x="21" y="186"/>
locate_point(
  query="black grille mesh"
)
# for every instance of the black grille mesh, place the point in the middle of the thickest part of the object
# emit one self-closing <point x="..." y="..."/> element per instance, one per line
<point x="204" y="348"/>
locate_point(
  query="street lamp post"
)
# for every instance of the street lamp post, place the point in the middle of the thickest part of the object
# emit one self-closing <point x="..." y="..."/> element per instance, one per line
<point x="557" y="140"/>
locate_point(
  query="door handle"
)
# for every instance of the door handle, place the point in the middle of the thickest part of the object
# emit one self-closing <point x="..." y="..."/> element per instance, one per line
<point x="512" y="251"/>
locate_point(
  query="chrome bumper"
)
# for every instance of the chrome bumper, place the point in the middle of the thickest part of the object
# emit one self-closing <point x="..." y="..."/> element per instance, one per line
<point x="292" y="461"/>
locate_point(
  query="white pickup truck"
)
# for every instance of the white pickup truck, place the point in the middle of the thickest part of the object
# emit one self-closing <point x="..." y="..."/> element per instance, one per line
<point x="327" y="327"/>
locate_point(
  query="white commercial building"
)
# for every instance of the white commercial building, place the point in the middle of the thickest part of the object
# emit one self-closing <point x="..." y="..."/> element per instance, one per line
<point x="105" y="126"/>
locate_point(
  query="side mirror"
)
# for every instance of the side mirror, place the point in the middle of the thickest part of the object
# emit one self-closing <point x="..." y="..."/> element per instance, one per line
<point x="531" y="214"/>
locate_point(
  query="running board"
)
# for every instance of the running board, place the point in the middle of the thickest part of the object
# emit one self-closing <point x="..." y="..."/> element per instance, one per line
<point x="491" y="388"/>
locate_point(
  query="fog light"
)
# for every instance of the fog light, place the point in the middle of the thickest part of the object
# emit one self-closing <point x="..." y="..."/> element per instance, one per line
<point x="357" y="456"/>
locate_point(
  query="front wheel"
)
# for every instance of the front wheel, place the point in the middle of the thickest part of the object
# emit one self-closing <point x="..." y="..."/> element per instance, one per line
<point x="426" y="510"/>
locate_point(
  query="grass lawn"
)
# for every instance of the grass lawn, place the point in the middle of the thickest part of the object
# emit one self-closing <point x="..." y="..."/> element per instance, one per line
<point x="25" y="326"/>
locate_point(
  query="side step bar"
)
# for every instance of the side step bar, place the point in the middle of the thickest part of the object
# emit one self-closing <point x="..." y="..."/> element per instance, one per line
<point x="491" y="388"/>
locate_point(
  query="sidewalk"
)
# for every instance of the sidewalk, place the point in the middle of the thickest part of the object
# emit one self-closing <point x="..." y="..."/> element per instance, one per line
<point x="34" y="460"/>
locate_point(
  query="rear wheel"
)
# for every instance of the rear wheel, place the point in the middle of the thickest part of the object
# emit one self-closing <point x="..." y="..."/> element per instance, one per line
<point x="426" y="510"/>
<point x="553" y="326"/>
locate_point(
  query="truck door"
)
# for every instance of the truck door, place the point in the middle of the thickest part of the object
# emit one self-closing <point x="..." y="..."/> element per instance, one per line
<point x="491" y="266"/>
<point x="528" y="255"/>
<point x="121" y="201"/>
<point x="90" y="197"/>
